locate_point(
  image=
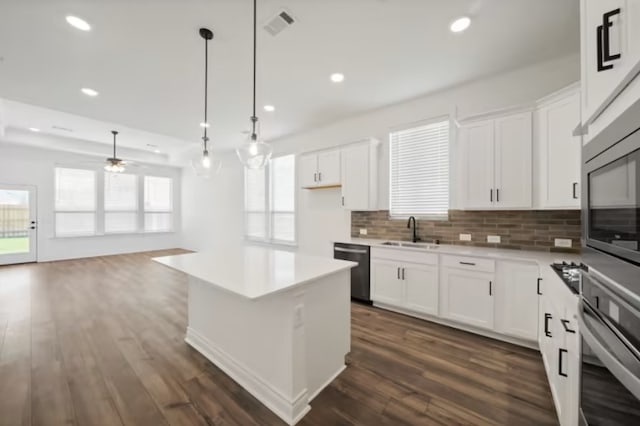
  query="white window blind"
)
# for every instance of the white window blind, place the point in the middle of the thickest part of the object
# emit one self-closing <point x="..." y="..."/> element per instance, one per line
<point x="158" y="204"/>
<point x="120" y="203"/>
<point x="270" y="202"/>
<point x="419" y="171"/>
<point x="75" y="202"/>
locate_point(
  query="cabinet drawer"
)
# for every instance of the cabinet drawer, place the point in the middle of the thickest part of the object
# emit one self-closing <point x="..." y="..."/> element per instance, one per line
<point x="469" y="263"/>
<point x="401" y="255"/>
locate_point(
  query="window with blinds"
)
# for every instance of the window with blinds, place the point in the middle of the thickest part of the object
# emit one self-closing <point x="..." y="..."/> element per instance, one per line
<point x="270" y="202"/>
<point x="75" y="202"/>
<point x="419" y="171"/>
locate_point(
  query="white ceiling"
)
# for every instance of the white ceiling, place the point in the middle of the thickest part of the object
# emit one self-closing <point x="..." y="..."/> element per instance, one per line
<point x="146" y="60"/>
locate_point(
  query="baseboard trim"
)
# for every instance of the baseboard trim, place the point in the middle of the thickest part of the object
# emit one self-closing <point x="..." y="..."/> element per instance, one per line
<point x="453" y="324"/>
<point x="291" y="411"/>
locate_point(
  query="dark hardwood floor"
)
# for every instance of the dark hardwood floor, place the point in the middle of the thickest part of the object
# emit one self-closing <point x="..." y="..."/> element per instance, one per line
<point x="100" y="342"/>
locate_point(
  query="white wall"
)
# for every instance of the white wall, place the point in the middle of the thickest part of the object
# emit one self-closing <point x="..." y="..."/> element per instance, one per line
<point x="21" y="165"/>
<point x="216" y="205"/>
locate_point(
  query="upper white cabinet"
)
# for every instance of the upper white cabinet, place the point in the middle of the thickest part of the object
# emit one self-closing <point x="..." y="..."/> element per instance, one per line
<point x="496" y="157"/>
<point x="557" y="151"/>
<point x="321" y="169"/>
<point x="610" y="34"/>
<point x="517" y="306"/>
<point x="360" y="176"/>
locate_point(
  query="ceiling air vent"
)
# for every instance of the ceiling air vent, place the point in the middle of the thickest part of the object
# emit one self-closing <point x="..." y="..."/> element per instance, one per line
<point x="278" y="23"/>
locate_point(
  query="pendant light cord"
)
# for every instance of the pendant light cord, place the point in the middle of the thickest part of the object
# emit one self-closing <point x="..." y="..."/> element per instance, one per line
<point x="205" y="139"/>
<point x="254" y="118"/>
<point x="114" y="142"/>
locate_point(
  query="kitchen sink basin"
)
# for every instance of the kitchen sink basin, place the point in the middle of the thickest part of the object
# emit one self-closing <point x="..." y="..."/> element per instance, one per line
<point x="424" y="246"/>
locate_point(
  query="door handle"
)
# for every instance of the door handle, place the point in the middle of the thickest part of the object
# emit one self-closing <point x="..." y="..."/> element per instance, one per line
<point x="560" y="353"/>
<point x="547" y="317"/>
<point x="566" y="327"/>
<point x="402" y="274"/>
<point x="497" y="195"/>
<point x="467" y="263"/>
<point x="538" y="289"/>
<point x="491" y="195"/>
<point x="343" y="201"/>
<point x="575" y="186"/>
<point x="320" y="176"/>
<point x="490" y="288"/>
<point x="315" y="177"/>
<point x="604" y="42"/>
<point x="398" y="272"/>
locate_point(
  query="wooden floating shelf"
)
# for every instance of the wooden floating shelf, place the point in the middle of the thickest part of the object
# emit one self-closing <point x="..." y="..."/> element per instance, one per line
<point x="322" y="187"/>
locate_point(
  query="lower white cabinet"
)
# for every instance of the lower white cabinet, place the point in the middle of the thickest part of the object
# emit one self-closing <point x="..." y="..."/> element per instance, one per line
<point x="559" y="342"/>
<point x="517" y="299"/>
<point x="468" y="296"/>
<point x="405" y="285"/>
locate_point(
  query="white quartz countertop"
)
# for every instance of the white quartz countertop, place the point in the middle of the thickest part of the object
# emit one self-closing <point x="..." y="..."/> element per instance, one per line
<point x="541" y="257"/>
<point x="253" y="271"/>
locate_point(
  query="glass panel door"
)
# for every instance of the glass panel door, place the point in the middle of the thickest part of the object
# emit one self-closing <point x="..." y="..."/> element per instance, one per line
<point x="17" y="224"/>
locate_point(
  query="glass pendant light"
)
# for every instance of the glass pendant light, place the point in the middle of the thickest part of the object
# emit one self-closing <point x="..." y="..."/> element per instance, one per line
<point x="206" y="164"/>
<point x="255" y="153"/>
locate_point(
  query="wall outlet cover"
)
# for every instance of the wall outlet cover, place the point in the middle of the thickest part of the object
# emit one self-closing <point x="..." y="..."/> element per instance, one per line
<point x="363" y="231"/>
<point x="495" y="239"/>
<point x="561" y="242"/>
<point x="465" y="237"/>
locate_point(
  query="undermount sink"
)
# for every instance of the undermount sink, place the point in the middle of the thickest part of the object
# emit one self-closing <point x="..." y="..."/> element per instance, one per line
<point x="424" y="246"/>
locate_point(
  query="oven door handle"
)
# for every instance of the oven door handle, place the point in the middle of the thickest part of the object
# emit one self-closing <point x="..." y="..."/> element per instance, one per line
<point x="346" y="250"/>
<point x="592" y="328"/>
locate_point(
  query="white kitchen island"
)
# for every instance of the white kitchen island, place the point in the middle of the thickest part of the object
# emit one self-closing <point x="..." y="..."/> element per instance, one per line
<point x="277" y="322"/>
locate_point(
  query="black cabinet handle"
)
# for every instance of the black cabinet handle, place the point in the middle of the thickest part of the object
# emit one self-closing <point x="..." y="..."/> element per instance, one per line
<point x="343" y="201"/>
<point x="547" y="317"/>
<point x="603" y="42"/>
<point x="398" y="272"/>
<point x="468" y="263"/>
<point x="560" y="353"/>
<point x="497" y="195"/>
<point x="538" y="289"/>
<point x="575" y="187"/>
<point x="566" y="327"/>
<point x="320" y="176"/>
<point x="315" y="177"/>
<point x="403" y="274"/>
<point x="491" y="195"/>
<point x="490" y="288"/>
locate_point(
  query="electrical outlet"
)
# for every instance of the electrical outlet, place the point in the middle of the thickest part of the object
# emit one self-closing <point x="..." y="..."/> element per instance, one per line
<point x="363" y="231"/>
<point x="561" y="242"/>
<point x="465" y="237"/>
<point x="495" y="239"/>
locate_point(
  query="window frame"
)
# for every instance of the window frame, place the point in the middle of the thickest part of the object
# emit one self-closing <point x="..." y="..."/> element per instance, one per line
<point x="144" y="211"/>
<point x="426" y="122"/>
<point x="136" y="211"/>
<point x="100" y="211"/>
<point x="96" y="201"/>
<point x="269" y="213"/>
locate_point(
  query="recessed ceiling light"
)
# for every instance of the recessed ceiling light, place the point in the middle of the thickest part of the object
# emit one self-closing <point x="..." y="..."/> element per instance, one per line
<point x="337" y="77"/>
<point x="34" y="129"/>
<point x="204" y="125"/>
<point x="269" y="108"/>
<point x="460" y="24"/>
<point x="157" y="151"/>
<point x="78" y="23"/>
<point x="89" y="92"/>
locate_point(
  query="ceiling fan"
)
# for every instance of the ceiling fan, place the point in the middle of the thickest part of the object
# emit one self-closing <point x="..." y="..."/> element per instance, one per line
<point x="115" y="164"/>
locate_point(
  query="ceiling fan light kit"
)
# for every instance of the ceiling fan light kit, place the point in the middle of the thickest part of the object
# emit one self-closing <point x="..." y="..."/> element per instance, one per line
<point x="114" y="164"/>
<point x="255" y="153"/>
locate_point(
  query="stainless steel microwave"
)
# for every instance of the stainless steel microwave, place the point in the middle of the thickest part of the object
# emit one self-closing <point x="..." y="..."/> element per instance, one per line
<point x="611" y="189"/>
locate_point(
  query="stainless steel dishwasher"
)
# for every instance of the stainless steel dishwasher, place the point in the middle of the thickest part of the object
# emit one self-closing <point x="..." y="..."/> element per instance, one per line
<point x="360" y="275"/>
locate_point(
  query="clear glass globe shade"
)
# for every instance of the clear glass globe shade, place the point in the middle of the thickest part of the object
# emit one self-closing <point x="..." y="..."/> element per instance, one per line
<point x="206" y="166"/>
<point x="255" y="154"/>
